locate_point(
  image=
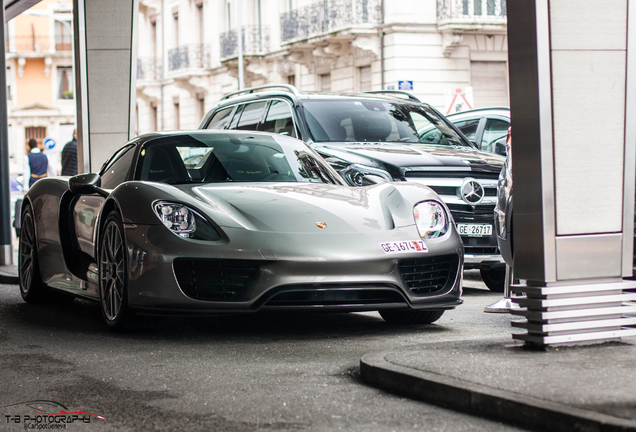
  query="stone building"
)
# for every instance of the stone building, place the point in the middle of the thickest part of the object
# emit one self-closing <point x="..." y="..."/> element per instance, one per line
<point x="188" y="51"/>
<point x="40" y="81"/>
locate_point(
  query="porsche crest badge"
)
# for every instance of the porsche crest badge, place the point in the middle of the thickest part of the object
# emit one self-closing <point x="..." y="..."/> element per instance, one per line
<point x="321" y="225"/>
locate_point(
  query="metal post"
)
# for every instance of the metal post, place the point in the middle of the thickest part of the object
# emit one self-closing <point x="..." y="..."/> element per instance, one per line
<point x="81" y="87"/>
<point x="239" y="32"/>
<point x="506" y="304"/>
<point x="6" y="251"/>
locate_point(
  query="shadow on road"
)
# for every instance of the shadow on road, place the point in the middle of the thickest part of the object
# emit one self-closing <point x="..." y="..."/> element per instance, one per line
<point x="82" y="317"/>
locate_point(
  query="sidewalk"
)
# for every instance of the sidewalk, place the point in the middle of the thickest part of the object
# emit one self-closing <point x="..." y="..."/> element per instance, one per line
<point x="584" y="388"/>
<point x="9" y="275"/>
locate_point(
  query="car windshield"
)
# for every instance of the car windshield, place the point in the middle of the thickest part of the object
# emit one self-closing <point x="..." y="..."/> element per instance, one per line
<point x="223" y="157"/>
<point x="366" y="120"/>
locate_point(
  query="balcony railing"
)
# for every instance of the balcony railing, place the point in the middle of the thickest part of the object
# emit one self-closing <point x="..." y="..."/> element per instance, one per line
<point x="255" y="41"/>
<point x="471" y="11"/>
<point x="149" y="68"/>
<point x="326" y="16"/>
<point x="24" y="44"/>
<point x="29" y="44"/>
<point x="189" y="56"/>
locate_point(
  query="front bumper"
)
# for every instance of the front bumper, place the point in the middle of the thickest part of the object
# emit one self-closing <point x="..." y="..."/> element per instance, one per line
<point x="339" y="271"/>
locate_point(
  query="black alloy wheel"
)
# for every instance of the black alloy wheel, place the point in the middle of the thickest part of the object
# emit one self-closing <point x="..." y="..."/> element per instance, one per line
<point x="113" y="270"/>
<point x="411" y="316"/>
<point x="494" y="278"/>
<point x="31" y="287"/>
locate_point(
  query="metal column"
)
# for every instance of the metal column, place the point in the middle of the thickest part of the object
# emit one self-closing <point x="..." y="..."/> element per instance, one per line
<point x="6" y="251"/>
<point x="571" y="73"/>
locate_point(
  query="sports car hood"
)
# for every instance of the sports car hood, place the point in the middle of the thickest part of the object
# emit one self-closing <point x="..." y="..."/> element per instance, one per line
<point x="415" y="155"/>
<point x="298" y="207"/>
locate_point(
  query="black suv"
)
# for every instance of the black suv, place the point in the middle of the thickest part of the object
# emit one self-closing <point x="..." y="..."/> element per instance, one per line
<point x="384" y="136"/>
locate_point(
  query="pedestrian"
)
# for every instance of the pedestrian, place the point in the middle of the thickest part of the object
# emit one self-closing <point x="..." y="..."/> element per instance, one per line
<point x="36" y="165"/>
<point x="69" y="157"/>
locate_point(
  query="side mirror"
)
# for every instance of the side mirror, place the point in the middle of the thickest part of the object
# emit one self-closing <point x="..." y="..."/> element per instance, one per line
<point x="86" y="184"/>
<point x="500" y="147"/>
<point x="370" y="179"/>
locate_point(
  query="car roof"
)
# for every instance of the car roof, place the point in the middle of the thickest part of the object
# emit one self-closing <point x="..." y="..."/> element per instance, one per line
<point x="480" y="112"/>
<point x="291" y="92"/>
<point x="141" y="139"/>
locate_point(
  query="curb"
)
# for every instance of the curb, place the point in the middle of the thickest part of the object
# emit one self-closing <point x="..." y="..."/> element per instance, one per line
<point x="483" y="401"/>
<point x="8" y="277"/>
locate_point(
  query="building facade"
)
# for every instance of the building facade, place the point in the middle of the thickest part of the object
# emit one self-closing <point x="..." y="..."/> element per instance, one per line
<point x="40" y="80"/>
<point x="436" y="49"/>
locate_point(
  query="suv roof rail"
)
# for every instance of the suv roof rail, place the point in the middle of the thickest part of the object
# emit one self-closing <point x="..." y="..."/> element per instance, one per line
<point x="396" y="93"/>
<point x="289" y="88"/>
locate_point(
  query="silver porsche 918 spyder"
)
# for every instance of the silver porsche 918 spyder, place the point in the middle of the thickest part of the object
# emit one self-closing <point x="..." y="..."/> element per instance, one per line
<point x="211" y="222"/>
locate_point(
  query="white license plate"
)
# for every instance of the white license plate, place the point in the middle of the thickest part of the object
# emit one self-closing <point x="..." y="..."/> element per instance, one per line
<point x="404" y="246"/>
<point x="474" y="230"/>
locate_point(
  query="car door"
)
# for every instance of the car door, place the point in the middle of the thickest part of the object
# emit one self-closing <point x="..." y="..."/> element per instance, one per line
<point x="86" y="209"/>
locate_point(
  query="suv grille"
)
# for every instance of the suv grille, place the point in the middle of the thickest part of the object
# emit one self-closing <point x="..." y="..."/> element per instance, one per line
<point x="428" y="275"/>
<point x="451" y="190"/>
<point x="213" y="279"/>
<point x="452" y="175"/>
<point x="447" y="185"/>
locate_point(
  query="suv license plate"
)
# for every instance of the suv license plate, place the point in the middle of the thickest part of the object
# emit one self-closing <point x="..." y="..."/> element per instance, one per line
<point x="474" y="230"/>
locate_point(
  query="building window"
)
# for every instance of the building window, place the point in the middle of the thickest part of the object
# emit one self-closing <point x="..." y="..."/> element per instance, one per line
<point x="153" y="37"/>
<point x="324" y="81"/>
<point x="155" y="115"/>
<point x="177" y="114"/>
<point x="228" y="15"/>
<point x="364" y="78"/>
<point x="291" y="80"/>
<point x="199" y="19"/>
<point x="9" y="83"/>
<point x="63" y="36"/>
<point x="201" y="102"/>
<point x="66" y="87"/>
<point x="36" y="132"/>
<point x="490" y="83"/>
<point x="175" y="25"/>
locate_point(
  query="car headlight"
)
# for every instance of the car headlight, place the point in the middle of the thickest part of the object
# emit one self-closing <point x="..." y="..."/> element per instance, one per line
<point x="184" y="222"/>
<point x="431" y="219"/>
<point x="354" y="173"/>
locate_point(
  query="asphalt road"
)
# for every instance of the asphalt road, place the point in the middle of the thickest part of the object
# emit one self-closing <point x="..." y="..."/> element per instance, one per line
<point x="259" y="373"/>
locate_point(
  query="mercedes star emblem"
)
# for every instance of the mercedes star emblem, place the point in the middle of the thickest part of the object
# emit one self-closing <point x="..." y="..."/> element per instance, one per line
<point x="472" y="192"/>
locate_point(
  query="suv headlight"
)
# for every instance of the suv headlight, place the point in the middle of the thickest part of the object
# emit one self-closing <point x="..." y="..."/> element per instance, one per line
<point x="431" y="219"/>
<point x="354" y="173"/>
<point x="184" y="222"/>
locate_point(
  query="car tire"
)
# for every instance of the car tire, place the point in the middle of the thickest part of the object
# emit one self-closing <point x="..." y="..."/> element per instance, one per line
<point x="31" y="287"/>
<point x="113" y="275"/>
<point x="494" y="278"/>
<point x="411" y="316"/>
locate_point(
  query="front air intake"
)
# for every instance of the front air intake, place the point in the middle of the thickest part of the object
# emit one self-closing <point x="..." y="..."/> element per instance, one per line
<point x="428" y="275"/>
<point x="213" y="279"/>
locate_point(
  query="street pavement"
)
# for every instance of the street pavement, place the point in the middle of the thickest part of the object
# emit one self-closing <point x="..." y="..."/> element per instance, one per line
<point x="264" y="372"/>
<point x="286" y="371"/>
